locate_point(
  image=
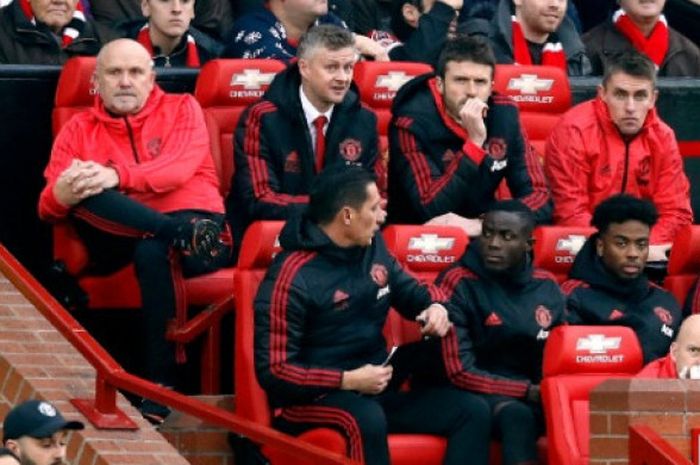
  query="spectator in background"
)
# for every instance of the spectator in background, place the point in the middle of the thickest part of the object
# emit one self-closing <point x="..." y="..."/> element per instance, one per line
<point x="47" y="32"/>
<point x="274" y="29"/>
<point x="536" y="32"/>
<point x="7" y="457"/>
<point x="36" y="432"/>
<point x="319" y="350"/>
<point x="639" y="25"/>
<point x="213" y="17"/>
<point x="310" y="118"/>
<point x="502" y="310"/>
<point x="617" y="143"/>
<point x="607" y="285"/>
<point x="167" y="34"/>
<point x="452" y="143"/>
<point x="136" y="178"/>
<point x="683" y="359"/>
<point x="421" y="27"/>
<point x="684" y="16"/>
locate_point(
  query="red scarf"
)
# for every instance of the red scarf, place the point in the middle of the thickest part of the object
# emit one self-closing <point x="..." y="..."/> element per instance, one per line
<point x="192" y="60"/>
<point x="552" y="53"/>
<point x="655" y="46"/>
<point x="70" y="32"/>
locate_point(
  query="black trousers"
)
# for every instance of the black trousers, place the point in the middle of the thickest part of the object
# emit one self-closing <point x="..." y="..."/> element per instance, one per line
<point x="517" y="424"/>
<point x="462" y="417"/>
<point x="118" y="230"/>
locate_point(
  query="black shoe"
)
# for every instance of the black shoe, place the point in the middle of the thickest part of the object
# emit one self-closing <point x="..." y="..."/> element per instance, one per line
<point x="154" y="412"/>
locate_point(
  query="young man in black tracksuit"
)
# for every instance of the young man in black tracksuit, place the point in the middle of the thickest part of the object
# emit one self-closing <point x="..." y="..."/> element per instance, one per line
<point x="502" y="309"/>
<point x="607" y="285"/>
<point x="452" y="142"/>
<point x="276" y="149"/>
<point x="319" y="314"/>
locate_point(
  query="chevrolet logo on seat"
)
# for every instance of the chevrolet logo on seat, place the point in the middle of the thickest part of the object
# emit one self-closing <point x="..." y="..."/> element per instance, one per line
<point x="430" y="243"/>
<point x="393" y="80"/>
<point x="252" y="79"/>
<point x="571" y="243"/>
<point x="597" y="343"/>
<point x="530" y="84"/>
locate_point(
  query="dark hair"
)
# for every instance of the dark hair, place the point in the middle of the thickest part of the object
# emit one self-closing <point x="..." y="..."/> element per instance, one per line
<point x="328" y="36"/>
<point x="399" y="27"/>
<point x="630" y="62"/>
<point x="466" y="48"/>
<point x="5" y="452"/>
<point x="518" y="208"/>
<point x="621" y="208"/>
<point x="335" y="188"/>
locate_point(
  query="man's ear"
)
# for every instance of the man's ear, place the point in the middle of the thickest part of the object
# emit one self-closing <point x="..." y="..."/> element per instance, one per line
<point x="600" y="91"/>
<point x="440" y="84"/>
<point x="145" y="8"/>
<point x="13" y="445"/>
<point x="530" y="244"/>
<point x="599" y="246"/>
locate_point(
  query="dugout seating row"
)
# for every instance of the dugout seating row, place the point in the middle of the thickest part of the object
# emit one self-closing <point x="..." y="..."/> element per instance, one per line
<point x="224" y="89"/>
<point x="577" y="358"/>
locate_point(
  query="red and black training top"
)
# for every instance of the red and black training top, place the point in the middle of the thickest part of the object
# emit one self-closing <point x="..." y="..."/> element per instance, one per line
<point x="321" y="309"/>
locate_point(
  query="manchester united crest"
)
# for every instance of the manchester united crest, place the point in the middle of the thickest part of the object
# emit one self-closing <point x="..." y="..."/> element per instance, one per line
<point x="350" y="149"/>
<point x="379" y="274"/>
<point x="543" y="316"/>
<point x="663" y="315"/>
<point x="496" y="147"/>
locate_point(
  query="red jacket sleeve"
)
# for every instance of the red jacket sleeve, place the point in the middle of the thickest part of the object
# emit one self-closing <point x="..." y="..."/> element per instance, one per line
<point x="672" y="191"/>
<point x="567" y="171"/>
<point x="62" y="154"/>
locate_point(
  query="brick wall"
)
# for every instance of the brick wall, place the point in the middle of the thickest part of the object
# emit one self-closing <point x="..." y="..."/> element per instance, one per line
<point x="671" y="407"/>
<point x="37" y="362"/>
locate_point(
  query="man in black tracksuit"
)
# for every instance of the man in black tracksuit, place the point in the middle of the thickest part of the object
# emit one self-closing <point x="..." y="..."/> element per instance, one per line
<point x="607" y="285"/>
<point x="319" y="314"/>
<point x="502" y="310"/>
<point x="276" y="139"/>
<point x="446" y="156"/>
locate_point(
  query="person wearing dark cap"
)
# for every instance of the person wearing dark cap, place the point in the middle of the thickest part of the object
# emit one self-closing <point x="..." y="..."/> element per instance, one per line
<point x="36" y="432"/>
<point x="7" y="457"/>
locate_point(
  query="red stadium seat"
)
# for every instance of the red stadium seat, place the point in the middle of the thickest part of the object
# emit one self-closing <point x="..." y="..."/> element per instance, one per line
<point x="120" y="289"/>
<point x="259" y="245"/>
<point x="576" y="360"/>
<point x="75" y="91"/>
<point x="543" y="94"/>
<point x="424" y="251"/>
<point x="224" y="89"/>
<point x="684" y="265"/>
<point x="557" y="246"/>
<point x="378" y="82"/>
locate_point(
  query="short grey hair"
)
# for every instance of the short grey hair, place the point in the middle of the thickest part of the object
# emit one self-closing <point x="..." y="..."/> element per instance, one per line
<point x="327" y="36"/>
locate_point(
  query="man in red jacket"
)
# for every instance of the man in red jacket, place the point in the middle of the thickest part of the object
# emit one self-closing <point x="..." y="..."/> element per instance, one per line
<point x="136" y="177"/>
<point x="683" y="359"/>
<point x="616" y="143"/>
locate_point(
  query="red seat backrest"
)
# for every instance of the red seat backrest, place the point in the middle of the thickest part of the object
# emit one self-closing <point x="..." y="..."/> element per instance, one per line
<point x="424" y="251"/>
<point x="224" y="89"/>
<point x="378" y="82"/>
<point x="75" y="91"/>
<point x="260" y="244"/>
<point x="576" y="360"/>
<point x="557" y="246"/>
<point x="543" y="94"/>
<point x="684" y="264"/>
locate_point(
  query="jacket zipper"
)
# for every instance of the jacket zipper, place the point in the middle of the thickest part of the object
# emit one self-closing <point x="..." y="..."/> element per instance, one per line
<point x="627" y="166"/>
<point x="131" y="139"/>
